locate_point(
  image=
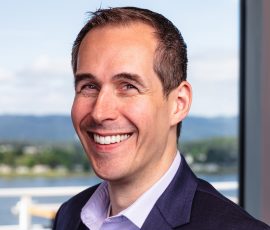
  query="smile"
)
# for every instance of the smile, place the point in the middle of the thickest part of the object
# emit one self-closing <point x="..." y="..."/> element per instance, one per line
<point x="106" y="140"/>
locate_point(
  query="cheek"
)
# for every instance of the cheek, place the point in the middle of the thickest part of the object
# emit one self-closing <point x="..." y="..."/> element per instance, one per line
<point x="78" y="111"/>
<point x="74" y="111"/>
<point x="141" y="113"/>
<point x="151" y="117"/>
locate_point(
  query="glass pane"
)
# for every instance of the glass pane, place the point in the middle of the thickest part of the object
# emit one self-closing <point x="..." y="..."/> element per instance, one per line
<point x="38" y="146"/>
<point x="210" y="134"/>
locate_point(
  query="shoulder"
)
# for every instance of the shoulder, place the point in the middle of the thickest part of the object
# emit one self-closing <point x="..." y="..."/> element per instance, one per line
<point x="213" y="209"/>
<point x="69" y="212"/>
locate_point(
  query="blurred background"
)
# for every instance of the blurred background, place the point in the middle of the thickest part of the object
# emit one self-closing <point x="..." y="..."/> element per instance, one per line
<point x="38" y="146"/>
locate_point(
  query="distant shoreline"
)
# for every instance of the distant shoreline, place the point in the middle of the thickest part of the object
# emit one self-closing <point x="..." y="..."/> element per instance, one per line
<point x="202" y="169"/>
<point x="51" y="174"/>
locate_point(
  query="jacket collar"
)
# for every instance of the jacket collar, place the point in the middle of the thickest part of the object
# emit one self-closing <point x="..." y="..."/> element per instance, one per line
<point x="173" y="208"/>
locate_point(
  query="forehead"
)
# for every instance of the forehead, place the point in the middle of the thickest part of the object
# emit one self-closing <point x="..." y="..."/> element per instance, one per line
<point x="133" y="32"/>
<point x="109" y="45"/>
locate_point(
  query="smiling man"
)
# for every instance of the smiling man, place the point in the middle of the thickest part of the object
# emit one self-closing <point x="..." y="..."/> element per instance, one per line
<point x="131" y="96"/>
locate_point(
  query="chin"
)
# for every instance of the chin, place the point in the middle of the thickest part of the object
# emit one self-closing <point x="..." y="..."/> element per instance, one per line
<point x="109" y="171"/>
<point x="109" y="176"/>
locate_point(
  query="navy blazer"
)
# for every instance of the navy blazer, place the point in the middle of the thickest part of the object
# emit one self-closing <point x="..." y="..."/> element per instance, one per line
<point x="188" y="203"/>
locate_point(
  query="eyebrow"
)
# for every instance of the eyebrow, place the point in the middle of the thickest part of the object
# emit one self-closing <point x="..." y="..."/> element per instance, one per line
<point x="121" y="76"/>
<point x="83" y="76"/>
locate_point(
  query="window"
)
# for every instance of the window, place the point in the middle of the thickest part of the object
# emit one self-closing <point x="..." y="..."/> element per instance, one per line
<point x="36" y="79"/>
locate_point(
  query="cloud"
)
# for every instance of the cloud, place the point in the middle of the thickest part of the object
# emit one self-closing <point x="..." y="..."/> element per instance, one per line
<point x="215" y="83"/>
<point x="44" y="87"/>
<point x="212" y="98"/>
<point x="5" y="75"/>
<point x="48" y="64"/>
<point x="214" y="66"/>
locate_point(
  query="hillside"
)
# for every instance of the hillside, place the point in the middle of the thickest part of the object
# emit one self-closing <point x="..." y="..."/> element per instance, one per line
<point x="36" y="128"/>
<point x="196" y="128"/>
<point x="57" y="128"/>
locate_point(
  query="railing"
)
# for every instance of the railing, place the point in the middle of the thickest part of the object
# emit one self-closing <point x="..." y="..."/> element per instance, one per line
<point x="26" y="208"/>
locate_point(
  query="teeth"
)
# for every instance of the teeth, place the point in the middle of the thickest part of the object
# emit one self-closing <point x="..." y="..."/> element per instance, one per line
<point x="106" y="140"/>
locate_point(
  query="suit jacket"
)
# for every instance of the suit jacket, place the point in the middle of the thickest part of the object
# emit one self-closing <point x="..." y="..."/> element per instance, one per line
<point x="188" y="203"/>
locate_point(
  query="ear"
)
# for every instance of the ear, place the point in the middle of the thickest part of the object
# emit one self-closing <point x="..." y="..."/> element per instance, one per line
<point x="181" y="102"/>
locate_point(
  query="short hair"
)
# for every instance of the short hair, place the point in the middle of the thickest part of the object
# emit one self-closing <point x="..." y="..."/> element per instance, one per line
<point x="170" y="59"/>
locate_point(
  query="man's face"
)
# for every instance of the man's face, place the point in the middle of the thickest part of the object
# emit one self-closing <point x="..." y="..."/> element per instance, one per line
<point x="119" y="112"/>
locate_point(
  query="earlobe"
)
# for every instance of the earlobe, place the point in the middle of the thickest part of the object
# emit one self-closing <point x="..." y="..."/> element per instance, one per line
<point x="182" y="102"/>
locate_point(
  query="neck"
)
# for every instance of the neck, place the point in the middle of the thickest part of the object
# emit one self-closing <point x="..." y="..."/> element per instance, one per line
<point x="124" y="193"/>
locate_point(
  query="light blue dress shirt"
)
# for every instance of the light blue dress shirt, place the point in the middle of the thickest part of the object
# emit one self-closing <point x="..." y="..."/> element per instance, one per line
<point x="95" y="213"/>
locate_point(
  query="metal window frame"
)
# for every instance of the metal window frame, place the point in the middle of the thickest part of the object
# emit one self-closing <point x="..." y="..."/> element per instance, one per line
<point x="254" y="130"/>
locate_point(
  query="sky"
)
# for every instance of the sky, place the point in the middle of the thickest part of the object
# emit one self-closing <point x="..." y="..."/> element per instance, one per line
<point x="36" y="39"/>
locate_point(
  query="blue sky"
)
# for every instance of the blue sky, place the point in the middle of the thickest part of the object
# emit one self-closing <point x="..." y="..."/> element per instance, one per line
<point x="36" y="39"/>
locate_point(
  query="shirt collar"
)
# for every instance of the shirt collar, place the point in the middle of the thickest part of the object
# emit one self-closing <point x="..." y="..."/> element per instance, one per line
<point x="96" y="209"/>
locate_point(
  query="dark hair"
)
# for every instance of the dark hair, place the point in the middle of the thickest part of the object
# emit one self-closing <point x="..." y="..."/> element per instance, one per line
<point x="170" y="61"/>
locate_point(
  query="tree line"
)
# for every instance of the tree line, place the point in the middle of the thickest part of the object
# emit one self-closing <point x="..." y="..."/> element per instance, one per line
<point x="221" y="151"/>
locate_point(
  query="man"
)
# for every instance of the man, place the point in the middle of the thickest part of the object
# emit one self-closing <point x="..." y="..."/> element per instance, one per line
<point x="131" y="96"/>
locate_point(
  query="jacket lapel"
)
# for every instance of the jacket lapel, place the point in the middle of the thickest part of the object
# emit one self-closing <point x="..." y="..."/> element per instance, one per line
<point x="69" y="214"/>
<point x="173" y="208"/>
<point x="82" y="226"/>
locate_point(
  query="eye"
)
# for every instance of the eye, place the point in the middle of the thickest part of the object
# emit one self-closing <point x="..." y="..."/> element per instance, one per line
<point x="127" y="89"/>
<point x="129" y="86"/>
<point x="87" y="89"/>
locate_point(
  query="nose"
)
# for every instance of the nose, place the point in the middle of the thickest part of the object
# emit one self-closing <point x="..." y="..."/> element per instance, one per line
<point x="105" y="107"/>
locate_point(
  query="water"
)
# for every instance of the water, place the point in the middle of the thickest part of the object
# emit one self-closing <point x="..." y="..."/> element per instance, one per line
<point x="222" y="178"/>
<point x="8" y="218"/>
